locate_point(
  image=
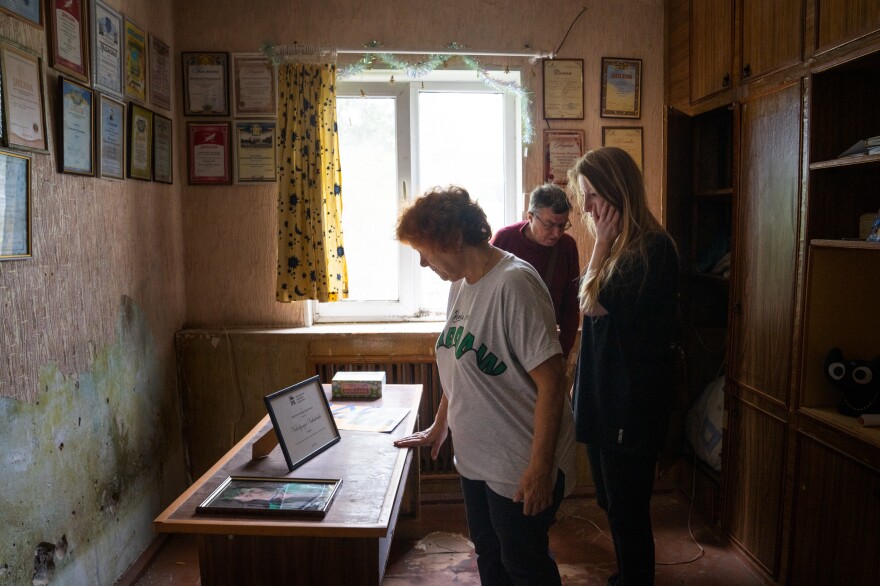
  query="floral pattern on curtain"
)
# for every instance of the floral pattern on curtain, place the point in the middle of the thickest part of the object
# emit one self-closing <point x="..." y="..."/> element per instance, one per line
<point x="311" y="255"/>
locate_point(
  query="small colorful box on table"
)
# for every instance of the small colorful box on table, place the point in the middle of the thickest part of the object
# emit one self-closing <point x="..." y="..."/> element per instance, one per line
<point x="358" y="385"/>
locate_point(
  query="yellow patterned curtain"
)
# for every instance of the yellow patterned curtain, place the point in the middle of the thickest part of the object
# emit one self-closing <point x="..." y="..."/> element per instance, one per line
<point x="311" y="257"/>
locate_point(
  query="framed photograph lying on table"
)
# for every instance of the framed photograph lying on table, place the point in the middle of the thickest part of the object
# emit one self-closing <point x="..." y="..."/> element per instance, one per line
<point x="621" y="88"/>
<point x="241" y="495"/>
<point x="15" y="213"/>
<point x="629" y="138"/>
<point x="302" y="420"/>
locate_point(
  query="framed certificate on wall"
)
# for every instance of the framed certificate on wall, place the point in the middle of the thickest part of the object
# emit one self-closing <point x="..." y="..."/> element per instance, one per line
<point x="628" y="138"/>
<point x="561" y="149"/>
<point x="563" y="89"/>
<point x="208" y="153"/>
<point x="621" y="88"/>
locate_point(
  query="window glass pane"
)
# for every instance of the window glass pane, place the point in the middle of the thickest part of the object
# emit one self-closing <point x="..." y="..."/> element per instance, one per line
<point x="461" y="142"/>
<point x="368" y="155"/>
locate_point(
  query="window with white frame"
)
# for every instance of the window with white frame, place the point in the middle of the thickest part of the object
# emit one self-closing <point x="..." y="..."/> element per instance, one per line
<point x="397" y="140"/>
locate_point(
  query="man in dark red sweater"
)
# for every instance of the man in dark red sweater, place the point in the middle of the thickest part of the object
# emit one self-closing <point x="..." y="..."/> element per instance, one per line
<point x="542" y="242"/>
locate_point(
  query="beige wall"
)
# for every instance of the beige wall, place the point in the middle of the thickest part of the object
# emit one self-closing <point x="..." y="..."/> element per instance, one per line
<point x="90" y="443"/>
<point x="230" y="231"/>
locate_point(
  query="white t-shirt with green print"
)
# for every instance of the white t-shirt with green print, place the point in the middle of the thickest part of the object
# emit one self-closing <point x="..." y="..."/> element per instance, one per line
<point x="497" y="330"/>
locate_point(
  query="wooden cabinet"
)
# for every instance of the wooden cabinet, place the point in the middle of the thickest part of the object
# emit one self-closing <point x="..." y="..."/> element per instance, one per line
<point x="755" y="474"/>
<point x="838" y="21"/>
<point x="837" y="512"/>
<point x="766" y="245"/>
<point x="771" y="36"/>
<point x="800" y="482"/>
<point x="711" y="30"/>
<point x="700" y="219"/>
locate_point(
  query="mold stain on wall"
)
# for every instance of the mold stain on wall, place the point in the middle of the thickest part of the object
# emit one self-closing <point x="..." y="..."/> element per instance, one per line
<point x="82" y="467"/>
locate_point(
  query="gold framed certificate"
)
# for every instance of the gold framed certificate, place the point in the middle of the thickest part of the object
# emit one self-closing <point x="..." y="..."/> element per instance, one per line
<point x="563" y="89"/>
<point x="255" y="151"/>
<point x="621" y="88"/>
<point x="628" y="138"/>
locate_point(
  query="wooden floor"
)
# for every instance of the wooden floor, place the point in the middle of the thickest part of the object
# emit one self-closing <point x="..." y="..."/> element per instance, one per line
<point x="435" y="550"/>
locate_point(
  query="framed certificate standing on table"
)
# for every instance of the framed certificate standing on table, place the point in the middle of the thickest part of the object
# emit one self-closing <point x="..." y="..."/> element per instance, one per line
<point x="563" y="89"/>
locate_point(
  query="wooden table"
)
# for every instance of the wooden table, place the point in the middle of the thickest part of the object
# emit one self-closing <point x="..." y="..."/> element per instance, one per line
<point x="348" y="546"/>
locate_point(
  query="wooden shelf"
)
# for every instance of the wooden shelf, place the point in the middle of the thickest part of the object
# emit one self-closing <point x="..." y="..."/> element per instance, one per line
<point x="845" y="244"/>
<point x="848" y="425"/>
<point x="845" y="162"/>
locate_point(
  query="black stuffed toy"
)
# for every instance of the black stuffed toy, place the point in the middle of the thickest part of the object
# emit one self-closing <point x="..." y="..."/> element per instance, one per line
<point x="858" y="381"/>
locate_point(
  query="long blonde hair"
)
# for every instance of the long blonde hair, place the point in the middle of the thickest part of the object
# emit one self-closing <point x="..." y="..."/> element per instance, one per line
<point x="617" y="179"/>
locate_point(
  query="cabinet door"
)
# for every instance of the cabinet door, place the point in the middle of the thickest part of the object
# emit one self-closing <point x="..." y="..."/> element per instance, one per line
<point x="710" y="54"/>
<point x="766" y="246"/>
<point x="772" y="35"/>
<point x="754" y="476"/>
<point x="842" y="20"/>
<point x="837" y="512"/>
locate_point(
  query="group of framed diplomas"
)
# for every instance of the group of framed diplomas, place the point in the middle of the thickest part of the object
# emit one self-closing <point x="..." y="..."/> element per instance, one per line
<point x="563" y="99"/>
<point x="241" y="148"/>
<point x="109" y="69"/>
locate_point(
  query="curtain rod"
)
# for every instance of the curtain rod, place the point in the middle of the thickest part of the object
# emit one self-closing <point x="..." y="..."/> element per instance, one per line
<point x="298" y="49"/>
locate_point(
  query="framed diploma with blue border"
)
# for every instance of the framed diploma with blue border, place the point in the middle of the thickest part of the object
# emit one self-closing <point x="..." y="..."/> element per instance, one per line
<point x="30" y="11"/>
<point x="76" y="123"/>
<point x="303" y="421"/>
<point x="621" y="88"/>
